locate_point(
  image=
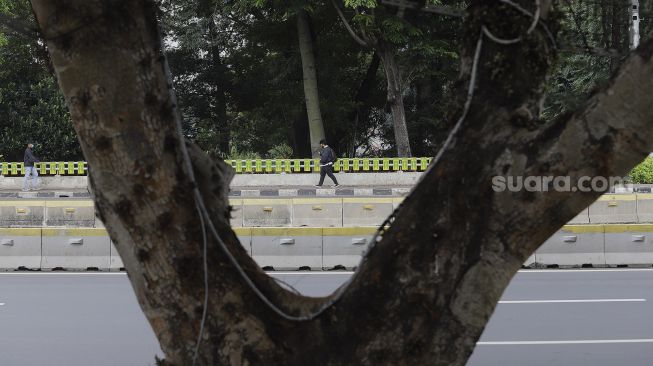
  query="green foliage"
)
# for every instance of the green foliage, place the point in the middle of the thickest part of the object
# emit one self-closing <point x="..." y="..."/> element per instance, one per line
<point x="643" y="173"/>
<point x="281" y="151"/>
<point x="31" y="105"/>
<point x="600" y="25"/>
<point x="238" y="75"/>
<point x="235" y="154"/>
<point x="361" y="3"/>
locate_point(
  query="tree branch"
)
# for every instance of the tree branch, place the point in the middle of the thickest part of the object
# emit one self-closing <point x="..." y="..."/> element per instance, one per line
<point x="436" y="9"/>
<point x="18" y="26"/>
<point x="351" y="31"/>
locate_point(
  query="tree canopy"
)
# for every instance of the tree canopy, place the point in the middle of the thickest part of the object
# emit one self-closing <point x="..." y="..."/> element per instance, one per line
<point x="237" y="70"/>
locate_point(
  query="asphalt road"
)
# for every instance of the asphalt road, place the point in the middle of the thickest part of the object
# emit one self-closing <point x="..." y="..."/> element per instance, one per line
<point x="553" y="317"/>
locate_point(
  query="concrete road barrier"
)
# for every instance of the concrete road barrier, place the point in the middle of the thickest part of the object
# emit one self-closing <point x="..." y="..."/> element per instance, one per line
<point x="245" y="237"/>
<point x="614" y="209"/>
<point x="20" y="248"/>
<point x="317" y="212"/>
<point x="76" y="249"/>
<point x="365" y="211"/>
<point x="531" y="261"/>
<point x="645" y="207"/>
<point x="573" y="245"/>
<point x="22" y="213"/>
<point x="236" y="212"/>
<point x="344" y="247"/>
<point x="629" y="245"/>
<point x="267" y="212"/>
<point x="287" y="248"/>
<point x="396" y="201"/>
<point x="79" y="213"/>
<point x="582" y="218"/>
<point x="115" y="262"/>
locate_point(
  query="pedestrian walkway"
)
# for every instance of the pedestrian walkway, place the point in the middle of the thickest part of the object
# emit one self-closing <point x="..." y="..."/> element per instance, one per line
<point x="274" y="191"/>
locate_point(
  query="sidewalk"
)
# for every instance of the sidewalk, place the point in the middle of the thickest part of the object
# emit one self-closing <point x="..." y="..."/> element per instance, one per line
<point x="45" y="193"/>
<point x="325" y="191"/>
<point x="297" y="191"/>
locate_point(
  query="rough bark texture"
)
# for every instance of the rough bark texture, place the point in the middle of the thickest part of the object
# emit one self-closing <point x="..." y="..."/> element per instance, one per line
<point x="362" y="109"/>
<point x="388" y="56"/>
<point x="311" y="95"/>
<point x="220" y="79"/>
<point x="426" y="291"/>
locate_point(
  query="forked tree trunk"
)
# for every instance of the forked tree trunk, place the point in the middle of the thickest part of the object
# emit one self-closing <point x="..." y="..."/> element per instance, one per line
<point x="426" y="290"/>
<point x="311" y="95"/>
<point x="395" y="92"/>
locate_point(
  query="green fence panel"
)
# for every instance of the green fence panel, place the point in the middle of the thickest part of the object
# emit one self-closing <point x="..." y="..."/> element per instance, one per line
<point x="17" y="169"/>
<point x="46" y="168"/>
<point x="385" y="164"/>
<point x="249" y="166"/>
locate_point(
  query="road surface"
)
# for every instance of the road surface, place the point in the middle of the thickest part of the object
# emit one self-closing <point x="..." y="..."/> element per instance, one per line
<point x="546" y="317"/>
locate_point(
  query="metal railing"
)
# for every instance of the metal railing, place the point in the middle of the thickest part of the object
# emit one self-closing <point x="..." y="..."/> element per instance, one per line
<point x="342" y="165"/>
<point x="9" y="169"/>
<point x="256" y="166"/>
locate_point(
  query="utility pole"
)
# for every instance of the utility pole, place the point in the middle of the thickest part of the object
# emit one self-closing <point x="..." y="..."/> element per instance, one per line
<point x="634" y="24"/>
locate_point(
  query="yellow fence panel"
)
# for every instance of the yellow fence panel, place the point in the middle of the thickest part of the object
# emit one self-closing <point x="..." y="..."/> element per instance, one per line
<point x="255" y="166"/>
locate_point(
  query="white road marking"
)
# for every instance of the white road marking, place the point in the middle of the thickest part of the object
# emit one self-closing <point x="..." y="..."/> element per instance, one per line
<point x="582" y="270"/>
<point x="583" y="341"/>
<point x="63" y="273"/>
<point x="567" y="301"/>
<point x="299" y="273"/>
<point x="329" y="273"/>
<point x="2" y="303"/>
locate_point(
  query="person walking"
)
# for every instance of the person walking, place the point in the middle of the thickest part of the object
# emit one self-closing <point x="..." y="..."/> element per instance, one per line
<point x="30" y="169"/>
<point x="327" y="159"/>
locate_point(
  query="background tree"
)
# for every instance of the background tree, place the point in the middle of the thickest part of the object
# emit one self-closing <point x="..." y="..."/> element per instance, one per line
<point x="31" y="105"/>
<point x="311" y="94"/>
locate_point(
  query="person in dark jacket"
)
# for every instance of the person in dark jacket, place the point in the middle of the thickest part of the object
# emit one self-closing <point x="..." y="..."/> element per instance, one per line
<point x="327" y="159"/>
<point x="30" y="169"/>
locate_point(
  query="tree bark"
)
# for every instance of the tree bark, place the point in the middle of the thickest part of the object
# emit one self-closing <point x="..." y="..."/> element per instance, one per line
<point x="218" y="94"/>
<point x="395" y="91"/>
<point x="361" y="113"/>
<point x="311" y="95"/>
<point x="424" y="292"/>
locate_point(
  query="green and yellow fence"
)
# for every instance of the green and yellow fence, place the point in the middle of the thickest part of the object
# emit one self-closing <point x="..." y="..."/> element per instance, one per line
<point x="355" y="165"/>
<point x="257" y="166"/>
<point x="9" y="169"/>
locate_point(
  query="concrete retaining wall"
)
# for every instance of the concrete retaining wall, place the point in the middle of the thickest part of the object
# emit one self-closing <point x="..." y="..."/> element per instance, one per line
<point x="91" y="249"/>
<point x="597" y="246"/>
<point x="346" y="179"/>
<point x="303" y="212"/>
<point x="316" y="248"/>
<point x="55" y="183"/>
<point x="243" y="180"/>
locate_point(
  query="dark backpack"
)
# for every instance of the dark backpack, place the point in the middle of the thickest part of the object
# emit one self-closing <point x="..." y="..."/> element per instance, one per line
<point x="335" y="157"/>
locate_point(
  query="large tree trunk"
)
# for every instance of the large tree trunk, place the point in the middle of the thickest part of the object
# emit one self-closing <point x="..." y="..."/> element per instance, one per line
<point x="361" y="113"/>
<point x="426" y="290"/>
<point x="395" y="98"/>
<point x="218" y="90"/>
<point x="311" y="95"/>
